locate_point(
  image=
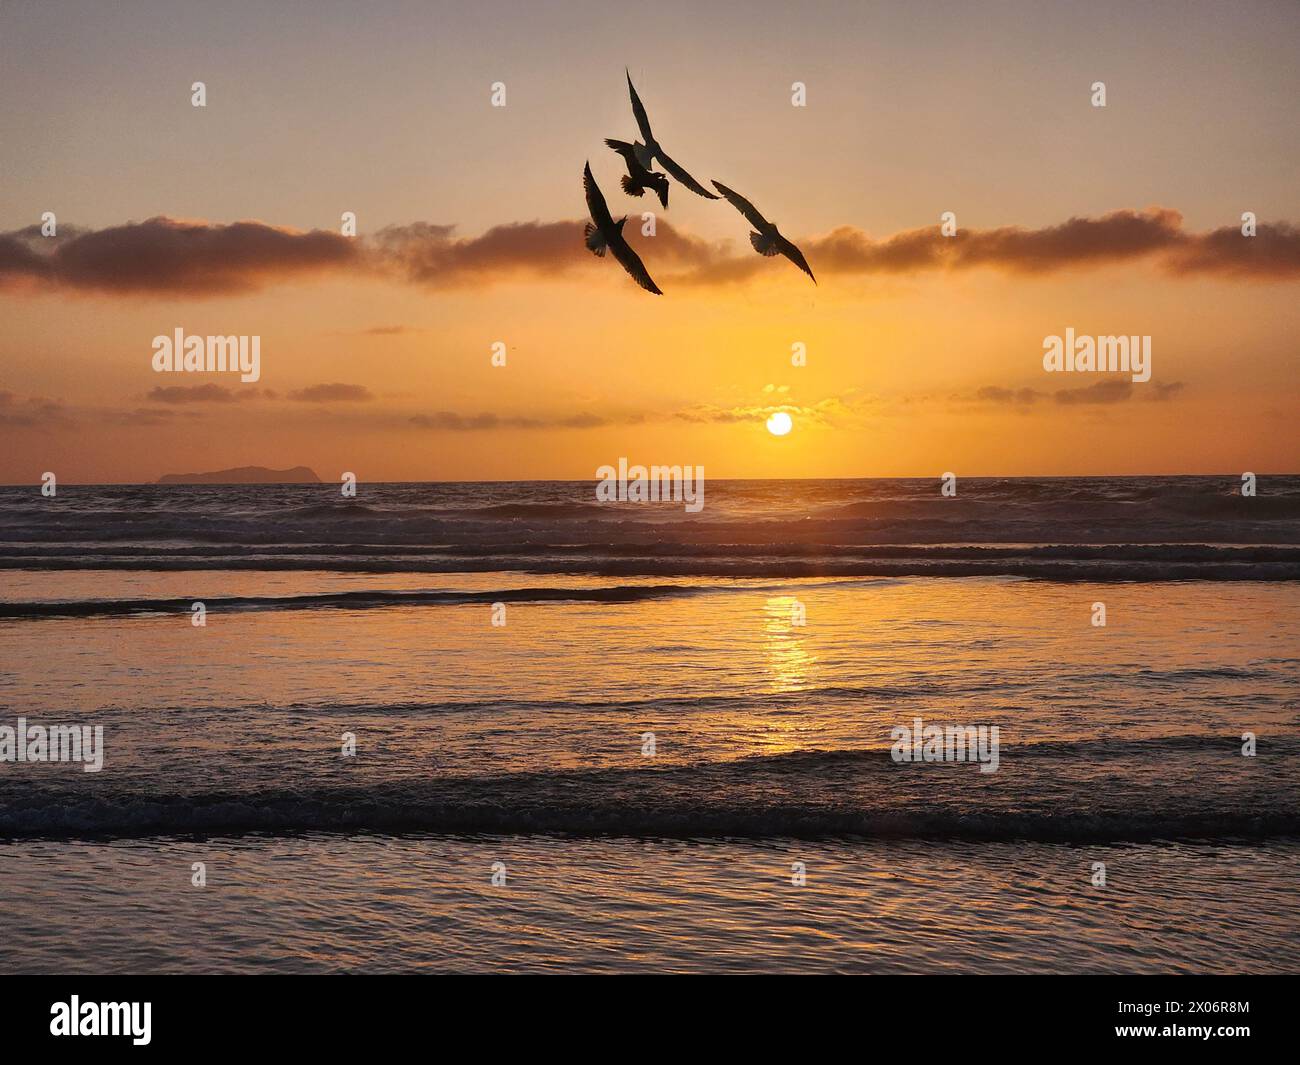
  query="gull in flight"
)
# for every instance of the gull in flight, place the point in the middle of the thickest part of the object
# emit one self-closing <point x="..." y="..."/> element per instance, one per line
<point x="605" y="233"/>
<point x="768" y="239"/>
<point x="650" y="151"/>
<point x="638" y="178"/>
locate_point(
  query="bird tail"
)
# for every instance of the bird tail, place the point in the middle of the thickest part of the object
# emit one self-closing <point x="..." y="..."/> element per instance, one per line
<point x="595" y="241"/>
<point x="764" y="244"/>
<point x="631" y="187"/>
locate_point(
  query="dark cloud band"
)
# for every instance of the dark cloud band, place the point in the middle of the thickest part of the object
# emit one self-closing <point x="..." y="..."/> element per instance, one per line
<point x="164" y="256"/>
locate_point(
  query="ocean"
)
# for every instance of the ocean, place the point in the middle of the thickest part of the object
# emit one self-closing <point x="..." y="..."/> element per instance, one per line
<point x="504" y="727"/>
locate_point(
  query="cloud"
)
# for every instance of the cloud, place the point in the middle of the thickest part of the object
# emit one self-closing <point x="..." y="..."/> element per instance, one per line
<point x="18" y="261"/>
<point x="30" y="412"/>
<point x="824" y="411"/>
<point x="335" y="392"/>
<point x="1115" y="237"/>
<point x="332" y="392"/>
<point x="38" y="412"/>
<point x="433" y="255"/>
<point x="1273" y="253"/>
<point x="196" y="394"/>
<point x="450" y="421"/>
<point x="1109" y="391"/>
<point x="1160" y="392"/>
<point x="166" y="256"/>
<point x="1018" y="396"/>
<point x="1121" y="236"/>
<point x="827" y="411"/>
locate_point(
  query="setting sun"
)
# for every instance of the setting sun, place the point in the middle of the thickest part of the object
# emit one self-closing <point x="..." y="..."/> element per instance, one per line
<point x="779" y="423"/>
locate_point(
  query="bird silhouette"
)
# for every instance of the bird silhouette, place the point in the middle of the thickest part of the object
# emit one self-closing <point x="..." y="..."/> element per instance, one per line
<point x="768" y="239"/>
<point x="638" y="178"/>
<point x="650" y="151"/>
<point x="605" y="233"/>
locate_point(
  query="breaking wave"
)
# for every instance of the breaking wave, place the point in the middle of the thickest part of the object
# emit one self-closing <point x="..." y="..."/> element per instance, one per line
<point x="1055" y="795"/>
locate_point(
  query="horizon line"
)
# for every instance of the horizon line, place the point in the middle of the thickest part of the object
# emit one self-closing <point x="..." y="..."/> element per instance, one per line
<point x="583" y="480"/>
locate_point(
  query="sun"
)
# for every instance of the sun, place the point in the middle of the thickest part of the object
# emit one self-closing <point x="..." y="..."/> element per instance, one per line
<point x="779" y="423"/>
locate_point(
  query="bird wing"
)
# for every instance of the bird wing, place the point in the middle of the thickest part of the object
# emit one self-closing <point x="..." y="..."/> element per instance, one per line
<point x="743" y="206"/>
<point x="596" y="202"/>
<point x="634" y="167"/>
<point x="623" y="148"/>
<point x="638" y="109"/>
<point x="682" y="176"/>
<point x="796" y="256"/>
<point x="633" y="265"/>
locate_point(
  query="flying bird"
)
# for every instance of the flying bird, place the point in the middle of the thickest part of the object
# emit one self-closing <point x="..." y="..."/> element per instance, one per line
<point x="650" y="151"/>
<point x="768" y="239"/>
<point x="608" y="234"/>
<point x="638" y="178"/>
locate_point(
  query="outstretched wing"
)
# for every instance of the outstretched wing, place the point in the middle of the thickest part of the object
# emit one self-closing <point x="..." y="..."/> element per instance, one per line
<point x="796" y="256"/>
<point x="638" y="109"/>
<point x="596" y="202"/>
<point x="682" y="176"/>
<point x="623" y="148"/>
<point x="743" y="206"/>
<point x="633" y="265"/>
<point x="634" y="167"/>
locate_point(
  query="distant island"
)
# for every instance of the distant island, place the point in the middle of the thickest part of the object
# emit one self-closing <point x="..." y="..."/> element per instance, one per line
<point x="245" y="475"/>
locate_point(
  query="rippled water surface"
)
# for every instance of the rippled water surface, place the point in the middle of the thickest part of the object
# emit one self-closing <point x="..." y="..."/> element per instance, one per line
<point x="649" y="717"/>
<point x="383" y="904"/>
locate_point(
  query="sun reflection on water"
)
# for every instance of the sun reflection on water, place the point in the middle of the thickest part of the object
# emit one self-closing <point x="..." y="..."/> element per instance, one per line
<point x="789" y="660"/>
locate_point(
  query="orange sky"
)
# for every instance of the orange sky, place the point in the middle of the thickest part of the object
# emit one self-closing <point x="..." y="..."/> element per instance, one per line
<point x="923" y="355"/>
